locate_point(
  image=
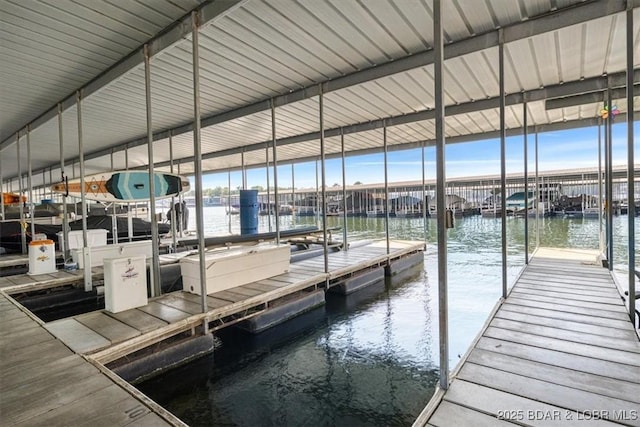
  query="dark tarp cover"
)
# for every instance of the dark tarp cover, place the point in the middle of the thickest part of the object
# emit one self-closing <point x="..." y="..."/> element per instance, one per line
<point x="10" y="238"/>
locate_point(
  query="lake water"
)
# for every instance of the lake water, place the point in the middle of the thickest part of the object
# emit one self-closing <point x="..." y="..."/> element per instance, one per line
<point x="370" y="358"/>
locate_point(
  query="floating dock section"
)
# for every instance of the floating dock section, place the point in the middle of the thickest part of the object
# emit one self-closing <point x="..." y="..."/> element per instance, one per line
<point x="559" y="350"/>
<point x="167" y="331"/>
<point x="46" y="383"/>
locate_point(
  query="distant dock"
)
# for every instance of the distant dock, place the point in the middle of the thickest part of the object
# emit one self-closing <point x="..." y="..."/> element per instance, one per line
<point x="560" y="349"/>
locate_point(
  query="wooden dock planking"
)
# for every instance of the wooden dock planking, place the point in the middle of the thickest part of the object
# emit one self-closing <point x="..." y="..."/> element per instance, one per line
<point x="26" y="283"/>
<point x="575" y="361"/>
<point x="138" y="319"/>
<point x="491" y="401"/>
<point x="181" y="316"/>
<point x="561" y="315"/>
<point x="110" y="328"/>
<point x="45" y="383"/>
<point x="164" y="312"/>
<point x="561" y="343"/>
<point x="77" y="336"/>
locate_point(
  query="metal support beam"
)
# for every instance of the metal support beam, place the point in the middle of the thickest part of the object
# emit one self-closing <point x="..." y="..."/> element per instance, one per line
<point x="229" y="199"/>
<point x="601" y="238"/>
<point x="23" y="236"/>
<point x="386" y="189"/>
<point x="425" y="205"/>
<point x="526" y="182"/>
<point x="244" y="171"/>
<point x="537" y="192"/>
<point x="276" y="202"/>
<point x="172" y="210"/>
<point x="443" y="305"/>
<point x="631" y="205"/>
<point x="345" y="244"/>
<point x="197" y="151"/>
<point x="30" y="185"/>
<point x="324" y="181"/>
<point x="266" y="168"/>
<point x="86" y="254"/>
<point x="293" y="194"/>
<point x="155" y="285"/>
<point x="503" y="164"/>
<point x="114" y="220"/>
<point x="609" y="181"/>
<point x="567" y="88"/>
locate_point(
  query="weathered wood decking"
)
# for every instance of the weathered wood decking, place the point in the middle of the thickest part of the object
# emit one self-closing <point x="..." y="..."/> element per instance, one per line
<point x="559" y="350"/>
<point x="28" y="283"/>
<point x="108" y="336"/>
<point x="44" y="383"/>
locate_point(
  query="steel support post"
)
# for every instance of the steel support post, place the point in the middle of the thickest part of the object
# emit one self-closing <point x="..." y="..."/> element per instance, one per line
<point x="443" y="305"/>
<point x="537" y="191"/>
<point x="425" y="205"/>
<point x="600" y="192"/>
<point x="503" y="165"/>
<point x="345" y="243"/>
<point x="30" y="185"/>
<point x="324" y="183"/>
<point x="114" y="220"/>
<point x="609" y="180"/>
<point x="156" y="288"/>
<point x="86" y="254"/>
<point x="244" y="171"/>
<point x="229" y="199"/>
<point x="293" y="193"/>
<point x="172" y="211"/>
<point x="274" y="142"/>
<point x="197" y="154"/>
<point x="23" y="235"/>
<point x="526" y="181"/>
<point x="386" y="188"/>
<point x="129" y="219"/>
<point x="631" y="203"/>
<point x="266" y="168"/>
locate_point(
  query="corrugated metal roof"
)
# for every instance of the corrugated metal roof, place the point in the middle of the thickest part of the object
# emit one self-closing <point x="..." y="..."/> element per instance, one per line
<point x="50" y="48"/>
<point x="264" y="49"/>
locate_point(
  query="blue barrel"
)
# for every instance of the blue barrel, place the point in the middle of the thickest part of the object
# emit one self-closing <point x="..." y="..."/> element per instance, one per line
<point x="248" y="212"/>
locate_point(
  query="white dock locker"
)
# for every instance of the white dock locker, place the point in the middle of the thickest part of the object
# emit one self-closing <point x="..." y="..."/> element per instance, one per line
<point x="125" y="283"/>
<point x="42" y="257"/>
<point x="228" y="268"/>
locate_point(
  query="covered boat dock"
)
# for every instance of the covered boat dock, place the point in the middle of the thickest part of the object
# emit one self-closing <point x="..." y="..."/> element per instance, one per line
<point x="195" y="86"/>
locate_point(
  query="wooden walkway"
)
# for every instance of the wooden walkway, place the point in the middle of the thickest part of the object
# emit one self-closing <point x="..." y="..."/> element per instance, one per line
<point x="107" y="336"/>
<point x="44" y="383"/>
<point x="26" y="283"/>
<point x="559" y="350"/>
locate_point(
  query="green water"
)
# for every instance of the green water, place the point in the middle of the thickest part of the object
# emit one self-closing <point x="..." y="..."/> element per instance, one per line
<point x="370" y="358"/>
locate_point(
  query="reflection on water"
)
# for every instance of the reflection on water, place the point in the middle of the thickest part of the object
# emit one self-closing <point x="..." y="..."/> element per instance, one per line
<point x="370" y="358"/>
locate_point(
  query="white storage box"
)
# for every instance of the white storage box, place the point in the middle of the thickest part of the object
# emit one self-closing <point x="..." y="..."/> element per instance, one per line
<point x="42" y="257"/>
<point x="228" y="268"/>
<point x="97" y="237"/>
<point x="125" y="283"/>
<point x="100" y="253"/>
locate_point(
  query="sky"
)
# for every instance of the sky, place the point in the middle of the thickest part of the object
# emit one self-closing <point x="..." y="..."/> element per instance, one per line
<point x="567" y="149"/>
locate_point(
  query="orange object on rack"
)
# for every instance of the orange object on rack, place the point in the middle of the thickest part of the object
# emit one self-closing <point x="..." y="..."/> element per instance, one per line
<point x="12" y="199"/>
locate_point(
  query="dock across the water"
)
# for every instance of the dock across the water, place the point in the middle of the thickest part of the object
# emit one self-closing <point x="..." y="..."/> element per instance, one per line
<point x="559" y="350"/>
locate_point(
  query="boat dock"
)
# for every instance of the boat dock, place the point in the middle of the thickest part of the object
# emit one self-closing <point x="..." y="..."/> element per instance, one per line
<point x="46" y="383"/>
<point x="559" y="349"/>
<point x="107" y="337"/>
